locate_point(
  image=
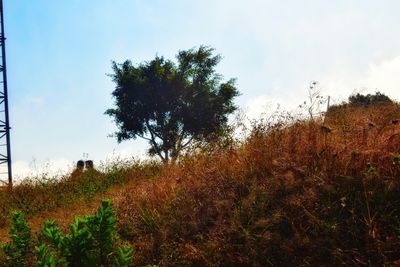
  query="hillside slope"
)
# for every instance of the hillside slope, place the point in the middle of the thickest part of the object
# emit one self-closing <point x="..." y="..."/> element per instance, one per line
<point x="61" y="198"/>
<point x="295" y="193"/>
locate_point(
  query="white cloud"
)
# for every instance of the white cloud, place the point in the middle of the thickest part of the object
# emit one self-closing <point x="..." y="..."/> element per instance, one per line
<point x="127" y="152"/>
<point x="257" y="106"/>
<point x="21" y="169"/>
<point x="378" y="75"/>
<point x="277" y="99"/>
<point x="48" y="168"/>
<point x="385" y="77"/>
<point x="340" y="83"/>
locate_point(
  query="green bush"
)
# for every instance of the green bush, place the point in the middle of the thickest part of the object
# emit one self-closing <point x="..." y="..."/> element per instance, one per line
<point x="91" y="242"/>
<point x="123" y="257"/>
<point x="16" y="252"/>
<point x="360" y="100"/>
<point x="366" y="100"/>
<point x="48" y="258"/>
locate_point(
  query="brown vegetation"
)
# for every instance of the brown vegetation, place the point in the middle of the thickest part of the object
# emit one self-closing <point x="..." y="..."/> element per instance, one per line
<point x="39" y="197"/>
<point x="295" y="193"/>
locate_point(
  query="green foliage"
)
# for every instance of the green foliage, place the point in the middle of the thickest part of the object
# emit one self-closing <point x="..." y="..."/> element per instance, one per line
<point x="21" y="242"/>
<point x="123" y="257"/>
<point x="89" y="243"/>
<point x="360" y="100"/>
<point x="48" y="258"/>
<point x="366" y="100"/>
<point x="170" y="105"/>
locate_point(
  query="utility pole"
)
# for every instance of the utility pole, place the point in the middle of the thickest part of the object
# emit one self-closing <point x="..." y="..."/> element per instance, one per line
<point x="5" y="148"/>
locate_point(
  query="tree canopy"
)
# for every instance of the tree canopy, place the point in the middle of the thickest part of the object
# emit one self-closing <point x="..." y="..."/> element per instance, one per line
<point x="172" y="104"/>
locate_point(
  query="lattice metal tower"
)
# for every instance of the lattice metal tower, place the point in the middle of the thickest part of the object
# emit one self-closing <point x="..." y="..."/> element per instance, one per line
<point x="5" y="149"/>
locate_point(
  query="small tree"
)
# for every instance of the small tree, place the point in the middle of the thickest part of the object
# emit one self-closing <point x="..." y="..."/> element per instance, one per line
<point x="169" y="104"/>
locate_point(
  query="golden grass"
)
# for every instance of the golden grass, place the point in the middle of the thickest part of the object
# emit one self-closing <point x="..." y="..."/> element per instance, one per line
<point x="294" y="193"/>
<point x="47" y="197"/>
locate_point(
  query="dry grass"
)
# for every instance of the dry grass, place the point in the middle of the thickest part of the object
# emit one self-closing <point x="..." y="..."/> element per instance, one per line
<point x="296" y="193"/>
<point x="43" y="196"/>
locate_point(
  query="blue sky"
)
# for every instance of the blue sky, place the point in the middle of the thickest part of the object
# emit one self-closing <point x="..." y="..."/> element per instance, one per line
<point x="59" y="53"/>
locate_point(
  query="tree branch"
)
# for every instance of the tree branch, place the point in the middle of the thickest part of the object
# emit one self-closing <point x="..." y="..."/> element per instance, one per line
<point x="187" y="143"/>
<point x="154" y="143"/>
<point x="145" y="138"/>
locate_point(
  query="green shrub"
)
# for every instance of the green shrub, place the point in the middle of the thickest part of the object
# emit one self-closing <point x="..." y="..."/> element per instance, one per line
<point x="17" y="251"/>
<point x="123" y="256"/>
<point x="366" y="100"/>
<point x="48" y="258"/>
<point x="89" y="243"/>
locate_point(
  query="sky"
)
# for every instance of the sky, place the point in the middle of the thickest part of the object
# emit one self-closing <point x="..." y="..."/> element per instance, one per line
<point x="59" y="54"/>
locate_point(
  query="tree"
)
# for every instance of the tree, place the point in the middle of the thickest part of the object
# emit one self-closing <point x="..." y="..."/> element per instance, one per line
<point x="169" y="104"/>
